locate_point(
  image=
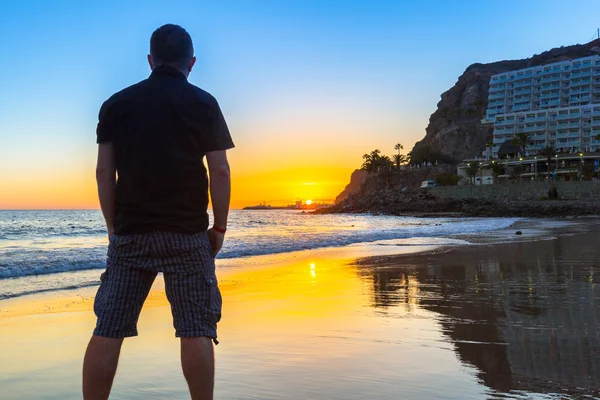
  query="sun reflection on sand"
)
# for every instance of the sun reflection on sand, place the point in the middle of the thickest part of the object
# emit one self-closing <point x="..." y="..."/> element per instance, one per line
<point x="277" y="318"/>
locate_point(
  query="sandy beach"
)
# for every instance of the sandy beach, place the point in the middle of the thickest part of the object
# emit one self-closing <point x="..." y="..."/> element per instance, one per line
<point x="502" y="317"/>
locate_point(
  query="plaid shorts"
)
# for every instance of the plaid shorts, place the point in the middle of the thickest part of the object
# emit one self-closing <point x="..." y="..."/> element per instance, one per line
<point x="188" y="265"/>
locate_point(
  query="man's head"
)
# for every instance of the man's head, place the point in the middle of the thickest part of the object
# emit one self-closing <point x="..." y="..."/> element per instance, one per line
<point x="171" y="45"/>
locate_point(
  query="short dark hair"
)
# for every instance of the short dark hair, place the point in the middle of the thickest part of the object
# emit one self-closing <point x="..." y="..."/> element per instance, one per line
<point x="171" y="45"/>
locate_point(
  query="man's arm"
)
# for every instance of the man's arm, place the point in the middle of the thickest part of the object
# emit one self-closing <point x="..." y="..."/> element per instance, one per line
<point x="106" y="178"/>
<point x="220" y="192"/>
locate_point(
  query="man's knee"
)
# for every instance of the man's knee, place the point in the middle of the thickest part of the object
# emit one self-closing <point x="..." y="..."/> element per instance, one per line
<point x="104" y="348"/>
<point x="197" y="353"/>
<point x="198" y="346"/>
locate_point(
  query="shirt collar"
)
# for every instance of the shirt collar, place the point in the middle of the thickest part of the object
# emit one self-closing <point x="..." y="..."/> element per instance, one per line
<point x="166" y="70"/>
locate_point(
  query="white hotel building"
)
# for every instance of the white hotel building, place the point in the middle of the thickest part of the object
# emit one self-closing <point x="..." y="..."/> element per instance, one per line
<point x="555" y="104"/>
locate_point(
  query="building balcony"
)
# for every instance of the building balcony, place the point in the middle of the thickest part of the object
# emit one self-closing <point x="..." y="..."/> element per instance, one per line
<point x="554" y="78"/>
<point x="532" y="129"/>
<point x="581" y="74"/>
<point x="535" y="119"/>
<point x="504" y="135"/>
<point x="536" y="146"/>
<point x="547" y="96"/>
<point x="494" y="96"/>
<point x="523" y="84"/>
<point x="568" y="116"/>
<point x="568" y="125"/>
<point x="539" y="137"/>
<point x="581" y="90"/>
<point x="518" y="78"/>
<point x="523" y="107"/>
<point x="581" y="82"/>
<point x="522" y="91"/>
<point x="545" y="88"/>
<point x="581" y="66"/>
<point x="550" y="103"/>
<point x="504" y="129"/>
<point x="580" y="99"/>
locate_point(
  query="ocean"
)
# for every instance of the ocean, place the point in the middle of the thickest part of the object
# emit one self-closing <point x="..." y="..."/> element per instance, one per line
<point x="56" y="250"/>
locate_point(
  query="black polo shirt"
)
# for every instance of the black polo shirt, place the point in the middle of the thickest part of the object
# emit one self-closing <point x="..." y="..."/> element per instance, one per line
<point x="161" y="128"/>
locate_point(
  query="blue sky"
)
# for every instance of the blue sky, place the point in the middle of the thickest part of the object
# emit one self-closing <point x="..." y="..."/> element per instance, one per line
<point x="334" y="76"/>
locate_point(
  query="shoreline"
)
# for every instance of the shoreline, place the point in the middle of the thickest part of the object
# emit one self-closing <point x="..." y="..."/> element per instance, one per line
<point x="230" y="269"/>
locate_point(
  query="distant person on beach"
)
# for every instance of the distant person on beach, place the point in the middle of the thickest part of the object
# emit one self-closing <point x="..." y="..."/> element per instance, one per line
<point x="154" y="135"/>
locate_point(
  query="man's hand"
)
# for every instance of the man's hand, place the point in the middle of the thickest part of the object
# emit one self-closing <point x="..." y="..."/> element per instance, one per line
<point x="216" y="240"/>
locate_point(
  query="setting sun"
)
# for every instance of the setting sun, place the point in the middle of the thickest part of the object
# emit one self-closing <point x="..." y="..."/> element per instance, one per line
<point x="308" y="202"/>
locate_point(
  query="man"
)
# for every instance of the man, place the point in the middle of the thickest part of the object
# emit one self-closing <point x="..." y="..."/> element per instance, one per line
<point x="154" y="136"/>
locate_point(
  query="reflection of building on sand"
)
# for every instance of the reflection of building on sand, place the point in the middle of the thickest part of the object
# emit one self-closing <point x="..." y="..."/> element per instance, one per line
<point x="526" y="315"/>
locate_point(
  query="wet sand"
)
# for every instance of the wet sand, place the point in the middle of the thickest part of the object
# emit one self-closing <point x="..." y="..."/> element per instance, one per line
<point x="519" y="319"/>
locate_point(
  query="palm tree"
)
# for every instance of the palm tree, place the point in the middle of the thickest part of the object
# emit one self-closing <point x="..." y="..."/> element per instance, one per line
<point x="548" y="152"/>
<point x="399" y="159"/>
<point x="496" y="168"/>
<point x="398" y="147"/>
<point x="370" y="160"/>
<point x="375" y="162"/>
<point x="384" y="163"/>
<point x="521" y="140"/>
<point x="472" y="169"/>
<point x="587" y="172"/>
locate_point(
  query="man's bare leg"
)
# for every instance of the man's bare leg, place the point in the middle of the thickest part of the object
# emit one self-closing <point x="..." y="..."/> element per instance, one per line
<point x="100" y="366"/>
<point x="198" y="363"/>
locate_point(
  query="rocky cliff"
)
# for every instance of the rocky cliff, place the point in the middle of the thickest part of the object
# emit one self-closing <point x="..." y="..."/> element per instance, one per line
<point x="363" y="182"/>
<point x="357" y="178"/>
<point x="455" y="127"/>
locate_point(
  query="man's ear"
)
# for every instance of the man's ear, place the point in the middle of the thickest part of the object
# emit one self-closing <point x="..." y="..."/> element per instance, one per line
<point x="150" y="62"/>
<point x="192" y="62"/>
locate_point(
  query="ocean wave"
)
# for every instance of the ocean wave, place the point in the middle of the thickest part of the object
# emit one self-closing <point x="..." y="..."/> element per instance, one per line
<point x="9" y="295"/>
<point x="38" y="267"/>
<point x="34" y="261"/>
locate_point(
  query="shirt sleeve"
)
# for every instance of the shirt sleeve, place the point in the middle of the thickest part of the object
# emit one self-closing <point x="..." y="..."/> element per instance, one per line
<point x="218" y="137"/>
<point x="104" y="130"/>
